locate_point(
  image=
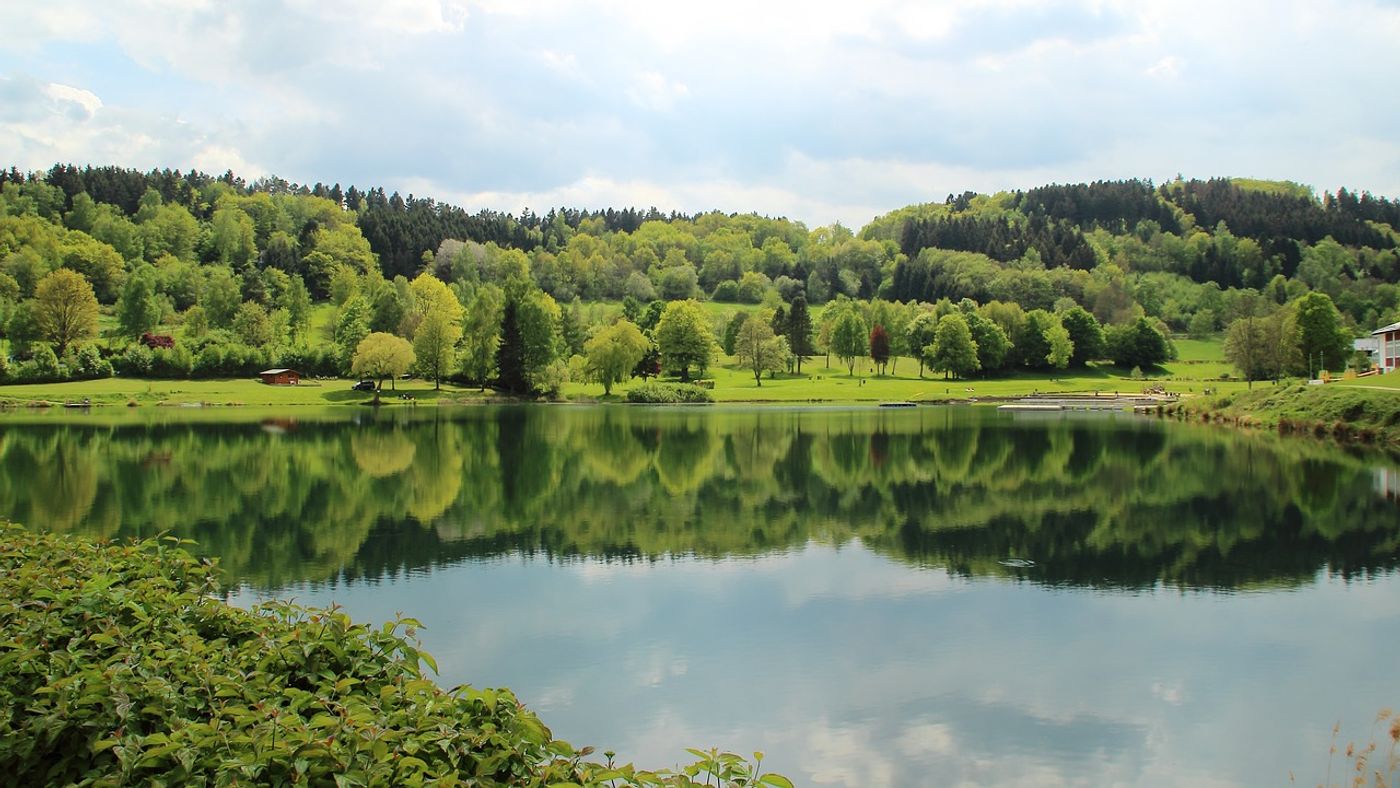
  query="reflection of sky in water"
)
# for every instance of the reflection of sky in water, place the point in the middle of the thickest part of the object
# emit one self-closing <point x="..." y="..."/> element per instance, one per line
<point x="846" y="668"/>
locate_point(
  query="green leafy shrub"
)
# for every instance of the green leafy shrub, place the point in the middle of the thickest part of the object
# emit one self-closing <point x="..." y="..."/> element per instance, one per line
<point x="42" y="367"/>
<point x="668" y="393"/>
<point x="136" y="362"/>
<point x="86" y="363"/>
<point x="120" y="665"/>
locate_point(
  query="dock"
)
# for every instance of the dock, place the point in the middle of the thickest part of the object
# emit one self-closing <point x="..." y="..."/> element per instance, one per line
<point x="1103" y="402"/>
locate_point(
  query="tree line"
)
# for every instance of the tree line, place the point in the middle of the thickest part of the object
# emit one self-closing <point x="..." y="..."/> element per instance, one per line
<point x="236" y="269"/>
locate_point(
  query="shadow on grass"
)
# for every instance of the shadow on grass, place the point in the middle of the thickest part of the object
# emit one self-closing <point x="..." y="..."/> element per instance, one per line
<point x="346" y="395"/>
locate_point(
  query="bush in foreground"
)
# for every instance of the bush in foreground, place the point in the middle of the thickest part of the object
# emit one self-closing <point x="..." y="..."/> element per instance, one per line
<point x="119" y="664"/>
<point x="668" y="394"/>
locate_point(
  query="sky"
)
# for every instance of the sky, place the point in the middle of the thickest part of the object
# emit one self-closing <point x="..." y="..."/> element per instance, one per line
<point x="812" y="110"/>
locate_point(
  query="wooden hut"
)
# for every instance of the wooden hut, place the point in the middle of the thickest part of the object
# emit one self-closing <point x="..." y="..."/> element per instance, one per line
<point x="280" y="377"/>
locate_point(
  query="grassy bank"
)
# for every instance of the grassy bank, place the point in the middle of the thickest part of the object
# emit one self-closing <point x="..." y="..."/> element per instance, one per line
<point x="239" y="391"/>
<point x="119" y="665"/>
<point x="1350" y="413"/>
<point x="1200" y="368"/>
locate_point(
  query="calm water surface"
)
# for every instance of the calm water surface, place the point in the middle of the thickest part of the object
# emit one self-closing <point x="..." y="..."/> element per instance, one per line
<point x="872" y="597"/>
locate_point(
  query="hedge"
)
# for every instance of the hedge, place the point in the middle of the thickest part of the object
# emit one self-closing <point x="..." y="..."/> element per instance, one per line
<point x="121" y="664"/>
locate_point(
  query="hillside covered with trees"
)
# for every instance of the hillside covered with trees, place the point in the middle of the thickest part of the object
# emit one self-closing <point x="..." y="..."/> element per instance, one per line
<point x="190" y="274"/>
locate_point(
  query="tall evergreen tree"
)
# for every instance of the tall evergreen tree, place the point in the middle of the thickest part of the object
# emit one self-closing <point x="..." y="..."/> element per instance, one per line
<point x="510" y="354"/>
<point x="799" y="330"/>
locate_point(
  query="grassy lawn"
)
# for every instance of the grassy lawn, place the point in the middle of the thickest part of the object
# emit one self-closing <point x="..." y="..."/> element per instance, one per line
<point x="819" y="383"/>
<point x="1199" y="369"/>
<point x="1390" y="381"/>
<point x="243" y="391"/>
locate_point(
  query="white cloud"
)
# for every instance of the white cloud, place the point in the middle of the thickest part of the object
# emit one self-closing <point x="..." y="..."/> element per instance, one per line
<point x="83" y="98"/>
<point x="655" y="92"/>
<point x="819" y="111"/>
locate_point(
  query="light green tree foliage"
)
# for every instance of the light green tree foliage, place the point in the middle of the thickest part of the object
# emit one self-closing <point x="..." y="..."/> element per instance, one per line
<point x="26" y="266"/>
<point x="1061" y="346"/>
<point x="435" y="343"/>
<point x="1325" y="265"/>
<point x="344" y="245"/>
<point x="849" y="337"/>
<point x="9" y="289"/>
<point x="541" y="345"/>
<point x="1318" y="333"/>
<point x="112" y="227"/>
<point x="65" y="308"/>
<point x="953" y="350"/>
<point x="179" y="281"/>
<point x="897" y="323"/>
<point x="351" y="327"/>
<point x="252" y="325"/>
<point x="481" y="333"/>
<point x="223" y="292"/>
<point x="138" y="308"/>
<point x="230" y="239"/>
<point x="82" y="214"/>
<point x="381" y="356"/>
<point x="296" y="299"/>
<point x="684" y="339"/>
<point x="430" y="295"/>
<point x="195" y="322"/>
<point x="759" y="348"/>
<point x="104" y="269"/>
<point x="169" y="230"/>
<point x="613" y="352"/>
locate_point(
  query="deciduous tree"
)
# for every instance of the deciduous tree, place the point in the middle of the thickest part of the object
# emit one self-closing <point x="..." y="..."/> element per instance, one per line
<point x="613" y="352"/>
<point x="435" y="344"/>
<point x="760" y="349"/>
<point x="380" y="356"/>
<point x="684" y="339"/>
<point x="481" y="333"/>
<point x="65" y="308"/>
<point x="953" y="350"/>
<point x="849" y="339"/>
<point x="879" y="347"/>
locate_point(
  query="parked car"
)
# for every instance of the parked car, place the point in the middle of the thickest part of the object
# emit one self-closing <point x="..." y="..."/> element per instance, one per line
<point x="364" y="385"/>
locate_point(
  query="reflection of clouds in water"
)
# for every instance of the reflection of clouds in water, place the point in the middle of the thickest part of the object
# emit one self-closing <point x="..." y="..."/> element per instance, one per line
<point x="1172" y="692"/>
<point x="846" y="755"/>
<point x="926" y="740"/>
<point x="849" y="669"/>
<point x="552" y="698"/>
<point x="654" y="665"/>
<point x="848" y="572"/>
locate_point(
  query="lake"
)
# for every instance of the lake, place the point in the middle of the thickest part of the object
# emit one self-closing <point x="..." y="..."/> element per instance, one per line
<point x="871" y="597"/>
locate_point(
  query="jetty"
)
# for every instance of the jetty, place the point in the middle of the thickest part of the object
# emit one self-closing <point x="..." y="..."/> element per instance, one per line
<point x="1105" y="402"/>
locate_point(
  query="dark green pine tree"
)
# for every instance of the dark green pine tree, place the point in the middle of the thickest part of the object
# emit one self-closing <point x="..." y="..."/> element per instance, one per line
<point x="510" y="354"/>
<point x="799" y="330"/>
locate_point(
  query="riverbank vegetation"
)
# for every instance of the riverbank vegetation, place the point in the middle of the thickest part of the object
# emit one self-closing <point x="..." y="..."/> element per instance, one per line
<point x="120" y="665"/>
<point x="1349" y="413"/>
<point x="172" y="276"/>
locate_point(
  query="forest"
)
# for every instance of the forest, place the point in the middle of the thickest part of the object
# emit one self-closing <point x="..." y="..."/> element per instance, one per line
<point x="167" y="274"/>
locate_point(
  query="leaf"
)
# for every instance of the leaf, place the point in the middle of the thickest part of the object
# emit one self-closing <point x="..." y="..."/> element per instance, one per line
<point x="775" y="780"/>
<point x="428" y="658"/>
